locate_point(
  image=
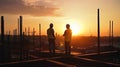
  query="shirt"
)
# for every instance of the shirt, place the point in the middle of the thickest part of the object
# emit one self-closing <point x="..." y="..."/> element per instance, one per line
<point x="68" y="35"/>
<point x="50" y="33"/>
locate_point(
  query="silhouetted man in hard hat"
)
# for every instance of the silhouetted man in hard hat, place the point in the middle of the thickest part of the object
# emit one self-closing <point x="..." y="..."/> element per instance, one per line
<point x="51" y="38"/>
<point x="67" y="38"/>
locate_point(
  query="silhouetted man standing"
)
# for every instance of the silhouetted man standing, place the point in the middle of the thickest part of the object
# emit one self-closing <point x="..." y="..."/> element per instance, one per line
<point x="51" y="39"/>
<point x="67" y="38"/>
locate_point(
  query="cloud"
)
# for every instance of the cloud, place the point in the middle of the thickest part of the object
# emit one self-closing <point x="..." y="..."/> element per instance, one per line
<point x="20" y="7"/>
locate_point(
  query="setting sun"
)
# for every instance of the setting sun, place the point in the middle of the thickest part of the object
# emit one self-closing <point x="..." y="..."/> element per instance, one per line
<point x="76" y="30"/>
<point x="75" y="27"/>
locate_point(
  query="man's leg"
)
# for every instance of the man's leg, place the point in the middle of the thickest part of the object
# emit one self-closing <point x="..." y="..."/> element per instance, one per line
<point x="50" y="46"/>
<point x="65" y="47"/>
<point x="53" y="46"/>
<point x="68" y="49"/>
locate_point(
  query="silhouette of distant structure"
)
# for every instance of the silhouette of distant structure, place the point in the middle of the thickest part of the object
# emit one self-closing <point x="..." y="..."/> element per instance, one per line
<point x="15" y="32"/>
<point x="111" y="33"/>
<point x="18" y="27"/>
<point x="28" y="31"/>
<point x="40" y="36"/>
<point x="25" y="31"/>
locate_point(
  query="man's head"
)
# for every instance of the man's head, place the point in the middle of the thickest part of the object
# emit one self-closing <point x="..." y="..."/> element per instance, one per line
<point x="51" y="25"/>
<point x="67" y="26"/>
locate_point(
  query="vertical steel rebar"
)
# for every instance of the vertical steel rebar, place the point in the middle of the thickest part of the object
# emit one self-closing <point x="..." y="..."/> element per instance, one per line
<point x="21" y="44"/>
<point x="98" y="31"/>
<point x="21" y="28"/>
<point x="2" y="49"/>
<point x="40" y="35"/>
<point x="18" y="27"/>
<point x="112" y="34"/>
<point x="2" y="29"/>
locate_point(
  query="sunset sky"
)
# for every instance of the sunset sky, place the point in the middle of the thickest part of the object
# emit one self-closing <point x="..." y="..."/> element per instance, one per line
<point x="80" y="14"/>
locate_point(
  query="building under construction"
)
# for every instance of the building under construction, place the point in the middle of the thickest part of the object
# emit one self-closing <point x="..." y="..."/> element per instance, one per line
<point x="23" y="49"/>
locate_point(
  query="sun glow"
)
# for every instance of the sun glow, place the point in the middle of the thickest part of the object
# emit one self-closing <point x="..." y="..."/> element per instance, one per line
<point x="76" y="30"/>
<point x="75" y="27"/>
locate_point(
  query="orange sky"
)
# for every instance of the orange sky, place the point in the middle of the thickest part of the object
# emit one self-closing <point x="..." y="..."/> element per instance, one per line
<point x="82" y="13"/>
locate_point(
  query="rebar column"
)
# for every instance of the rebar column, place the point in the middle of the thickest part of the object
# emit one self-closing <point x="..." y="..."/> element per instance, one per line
<point x="25" y="31"/>
<point x="33" y="35"/>
<point x="98" y="32"/>
<point x="2" y="29"/>
<point x="18" y="26"/>
<point x="40" y="35"/>
<point x="28" y="31"/>
<point x="2" y="49"/>
<point x="112" y="33"/>
<point x="21" y="28"/>
<point x="21" y="38"/>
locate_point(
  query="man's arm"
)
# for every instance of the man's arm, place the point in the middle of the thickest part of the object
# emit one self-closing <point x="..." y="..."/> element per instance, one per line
<point x="64" y="33"/>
